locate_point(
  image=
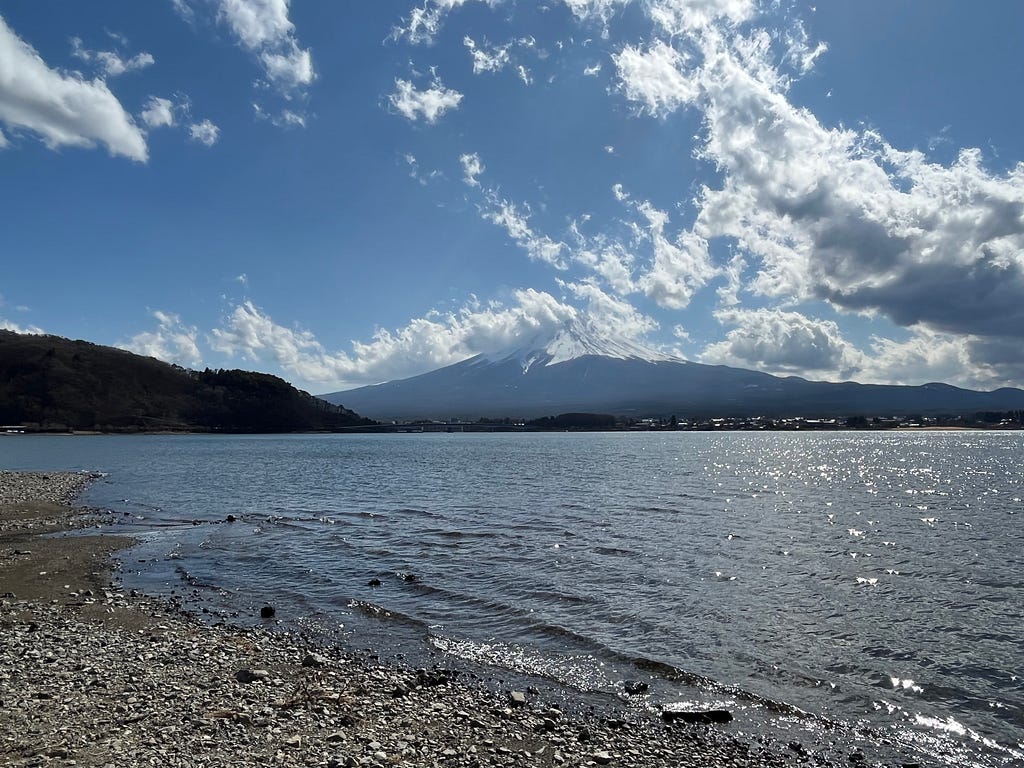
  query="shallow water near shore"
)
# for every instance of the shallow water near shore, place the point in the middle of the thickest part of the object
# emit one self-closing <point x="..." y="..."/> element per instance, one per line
<point x="867" y="579"/>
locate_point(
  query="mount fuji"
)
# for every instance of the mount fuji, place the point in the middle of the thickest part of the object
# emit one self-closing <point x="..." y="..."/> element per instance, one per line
<point x="579" y="369"/>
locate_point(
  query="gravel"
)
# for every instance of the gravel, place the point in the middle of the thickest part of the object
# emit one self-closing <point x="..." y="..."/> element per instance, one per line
<point x="100" y="677"/>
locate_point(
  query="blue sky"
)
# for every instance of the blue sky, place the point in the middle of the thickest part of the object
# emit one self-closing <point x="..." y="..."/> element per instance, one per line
<point x="346" y="193"/>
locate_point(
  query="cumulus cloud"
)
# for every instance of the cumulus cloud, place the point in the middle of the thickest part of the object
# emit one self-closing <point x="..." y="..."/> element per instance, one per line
<point x="263" y="27"/>
<point x="204" y="132"/>
<point x="783" y="342"/>
<point x="472" y="167"/>
<point x="655" y="78"/>
<point x="172" y="341"/>
<point x="111" y="63"/>
<point x="429" y="103"/>
<point x="440" y="338"/>
<point x="62" y="109"/>
<point x="158" y="112"/>
<point x="680" y="268"/>
<point x="823" y="213"/>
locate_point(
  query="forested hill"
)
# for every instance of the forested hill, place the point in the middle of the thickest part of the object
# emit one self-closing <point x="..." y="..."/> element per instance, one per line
<point x="50" y="383"/>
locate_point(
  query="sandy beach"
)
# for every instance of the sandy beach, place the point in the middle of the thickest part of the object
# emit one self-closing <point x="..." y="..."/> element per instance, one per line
<point x="92" y="676"/>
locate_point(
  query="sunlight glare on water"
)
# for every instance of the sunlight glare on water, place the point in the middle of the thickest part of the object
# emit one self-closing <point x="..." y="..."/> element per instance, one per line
<point x="863" y="577"/>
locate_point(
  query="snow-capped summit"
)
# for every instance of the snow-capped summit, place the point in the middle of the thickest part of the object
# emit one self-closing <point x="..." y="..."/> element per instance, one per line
<point x="578" y="368"/>
<point x="577" y="338"/>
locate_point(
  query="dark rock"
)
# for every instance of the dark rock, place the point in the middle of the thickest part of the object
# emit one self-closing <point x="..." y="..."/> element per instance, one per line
<point x="634" y="687"/>
<point x="584" y="734"/>
<point x="696" y="716"/>
<point x="231" y="518"/>
<point x="267" y="612"/>
<point x="409" y="577"/>
<point x="373" y="583"/>
<point x="797" y="747"/>
<point x="251" y="675"/>
<point x="433" y="677"/>
<point x="314" y="660"/>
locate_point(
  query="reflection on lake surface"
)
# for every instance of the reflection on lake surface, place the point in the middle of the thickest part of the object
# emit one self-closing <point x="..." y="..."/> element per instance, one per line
<point x="860" y="577"/>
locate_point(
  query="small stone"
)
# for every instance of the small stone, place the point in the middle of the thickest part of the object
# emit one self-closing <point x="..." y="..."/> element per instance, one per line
<point x="635" y="687"/>
<point x="314" y="660"/>
<point x="602" y="758"/>
<point x="696" y="716"/>
<point x="293" y="741"/>
<point x="251" y="675"/>
<point x="517" y="699"/>
<point x="373" y="583"/>
<point x="231" y="518"/>
<point x="267" y="612"/>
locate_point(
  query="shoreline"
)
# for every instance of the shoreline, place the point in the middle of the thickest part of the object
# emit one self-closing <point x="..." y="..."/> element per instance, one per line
<point x="92" y="674"/>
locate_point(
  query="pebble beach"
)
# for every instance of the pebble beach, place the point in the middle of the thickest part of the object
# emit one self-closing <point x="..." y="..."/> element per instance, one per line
<point x="92" y="675"/>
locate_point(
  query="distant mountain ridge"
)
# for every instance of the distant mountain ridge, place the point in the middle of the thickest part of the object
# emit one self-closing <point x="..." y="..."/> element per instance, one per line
<point x="576" y="370"/>
<point x="51" y="383"/>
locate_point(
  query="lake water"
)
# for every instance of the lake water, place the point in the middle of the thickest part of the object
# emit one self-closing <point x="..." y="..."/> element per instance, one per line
<point x="872" y="580"/>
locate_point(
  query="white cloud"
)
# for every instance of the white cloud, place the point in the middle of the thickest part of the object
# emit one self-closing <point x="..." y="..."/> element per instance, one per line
<point x="679" y="269"/>
<point x="263" y="27"/>
<point x="683" y="17"/>
<point x="158" y="112"/>
<point x="822" y="213"/>
<point x="592" y="71"/>
<point x="7" y="325"/>
<point x="172" y="341"/>
<point x="184" y="10"/>
<point x="110" y="63"/>
<point x="493" y="60"/>
<point x="204" y="132"/>
<point x="782" y="342"/>
<point x="429" y="104"/>
<point x="611" y="316"/>
<point x="516" y="223"/>
<point x="591" y="10"/>
<point x="471" y="168"/>
<point x="440" y="338"/>
<point x="424" y="22"/>
<point x="843" y="216"/>
<point x="63" y="109"/>
<point x="654" y="78"/>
